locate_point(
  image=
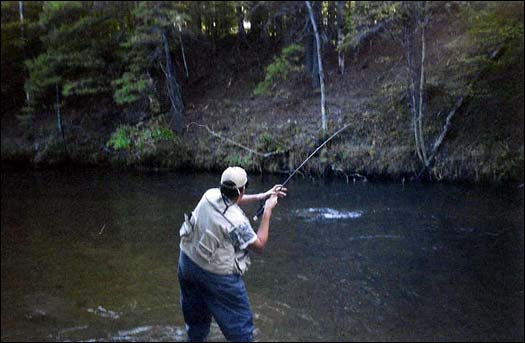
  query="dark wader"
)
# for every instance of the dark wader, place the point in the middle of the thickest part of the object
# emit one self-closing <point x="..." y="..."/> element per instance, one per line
<point x="205" y="294"/>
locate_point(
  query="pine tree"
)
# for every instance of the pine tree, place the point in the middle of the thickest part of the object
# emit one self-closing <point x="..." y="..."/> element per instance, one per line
<point x="78" y="43"/>
<point x="149" y="76"/>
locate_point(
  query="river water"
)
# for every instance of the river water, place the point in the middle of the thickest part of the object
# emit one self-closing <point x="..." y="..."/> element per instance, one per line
<point x="92" y="256"/>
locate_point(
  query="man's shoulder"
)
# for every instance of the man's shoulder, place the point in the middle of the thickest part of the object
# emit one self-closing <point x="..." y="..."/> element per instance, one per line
<point x="211" y="197"/>
<point x="212" y="194"/>
<point x="237" y="216"/>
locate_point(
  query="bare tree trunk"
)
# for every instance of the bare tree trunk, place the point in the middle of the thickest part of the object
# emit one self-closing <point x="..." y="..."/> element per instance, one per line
<point x="340" y="36"/>
<point x="183" y="54"/>
<point x="422" y="24"/>
<point x="414" y="42"/>
<point x="21" y="15"/>
<point x="459" y="102"/>
<point x="21" y="10"/>
<point x="22" y="35"/>
<point x="320" y="65"/>
<point x="408" y="34"/>
<point x="174" y="94"/>
<point x="59" y="121"/>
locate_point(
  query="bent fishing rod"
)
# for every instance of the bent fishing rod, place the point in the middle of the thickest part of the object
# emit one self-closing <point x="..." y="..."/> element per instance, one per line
<point x="261" y="208"/>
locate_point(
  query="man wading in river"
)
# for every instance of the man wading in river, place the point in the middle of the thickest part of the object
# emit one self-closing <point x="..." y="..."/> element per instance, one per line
<point x="214" y="256"/>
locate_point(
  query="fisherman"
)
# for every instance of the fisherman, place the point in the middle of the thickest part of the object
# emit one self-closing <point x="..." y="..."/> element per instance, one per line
<point x="214" y="246"/>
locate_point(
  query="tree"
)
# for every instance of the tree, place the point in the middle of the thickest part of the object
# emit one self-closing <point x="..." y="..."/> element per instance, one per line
<point x="78" y="66"/>
<point x="340" y="35"/>
<point x="148" y="53"/>
<point x="320" y="65"/>
<point x="501" y="38"/>
<point x="311" y="57"/>
<point x="19" y="42"/>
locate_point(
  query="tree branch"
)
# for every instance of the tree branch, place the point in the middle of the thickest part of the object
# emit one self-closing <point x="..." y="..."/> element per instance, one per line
<point x="213" y="133"/>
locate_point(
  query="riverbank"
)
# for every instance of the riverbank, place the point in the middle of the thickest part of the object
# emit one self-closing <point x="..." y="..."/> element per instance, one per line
<point x="228" y="127"/>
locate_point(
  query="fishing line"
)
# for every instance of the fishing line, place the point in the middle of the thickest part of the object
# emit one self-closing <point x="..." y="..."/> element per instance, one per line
<point x="261" y="208"/>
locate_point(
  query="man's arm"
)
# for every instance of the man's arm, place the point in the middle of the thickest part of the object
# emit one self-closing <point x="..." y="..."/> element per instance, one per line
<point x="264" y="228"/>
<point x="262" y="233"/>
<point x="249" y="198"/>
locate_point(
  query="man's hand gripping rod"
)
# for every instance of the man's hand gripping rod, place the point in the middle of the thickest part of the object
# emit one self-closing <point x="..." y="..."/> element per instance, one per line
<point x="261" y="208"/>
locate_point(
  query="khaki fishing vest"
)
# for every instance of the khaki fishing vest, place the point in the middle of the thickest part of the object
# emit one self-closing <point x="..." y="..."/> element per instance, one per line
<point x="206" y="237"/>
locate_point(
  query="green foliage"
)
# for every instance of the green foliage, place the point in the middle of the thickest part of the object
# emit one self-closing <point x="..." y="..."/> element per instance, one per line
<point x="19" y="42"/>
<point x="151" y="144"/>
<point x="281" y="68"/>
<point x="25" y="120"/>
<point x="268" y="143"/>
<point x="496" y="23"/>
<point x="121" y="138"/>
<point x="506" y="163"/>
<point x="361" y="17"/>
<point x="132" y="87"/>
<point x="491" y="27"/>
<point x="141" y="135"/>
<point x="78" y="42"/>
<point x="52" y="151"/>
<point x="497" y="26"/>
<point x="241" y="160"/>
<point x="142" y="75"/>
<point x="43" y="76"/>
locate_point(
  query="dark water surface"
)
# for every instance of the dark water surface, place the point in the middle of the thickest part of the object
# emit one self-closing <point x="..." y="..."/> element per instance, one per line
<point x="92" y="256"/>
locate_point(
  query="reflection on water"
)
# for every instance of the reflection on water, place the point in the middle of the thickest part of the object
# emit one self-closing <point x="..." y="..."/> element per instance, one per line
<point x="92" y="256"/>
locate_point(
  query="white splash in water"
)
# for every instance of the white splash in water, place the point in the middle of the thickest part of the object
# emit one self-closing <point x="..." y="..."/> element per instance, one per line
<point x="72" y="329"/>
<point x="102" y="312"/>
<point x="155" y="333"/>
<point x="375" y="237"/>
<point x="328" y="213"/>
<point x="135" y="331"/>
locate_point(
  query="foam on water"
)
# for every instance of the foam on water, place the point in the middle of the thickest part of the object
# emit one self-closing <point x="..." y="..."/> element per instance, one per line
<point x="328" y="213"/>
<point x="102" y="312"/>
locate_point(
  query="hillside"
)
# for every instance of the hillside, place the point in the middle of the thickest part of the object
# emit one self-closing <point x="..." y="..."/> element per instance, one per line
<point x="484" y="144"/>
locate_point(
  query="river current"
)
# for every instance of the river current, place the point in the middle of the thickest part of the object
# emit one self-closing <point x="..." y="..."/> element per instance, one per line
<point x="92" y="256"/>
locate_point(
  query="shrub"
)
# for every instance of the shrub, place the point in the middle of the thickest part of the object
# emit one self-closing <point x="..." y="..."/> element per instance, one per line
<point x="281" y="68"/>
<point x="152" y="144"/>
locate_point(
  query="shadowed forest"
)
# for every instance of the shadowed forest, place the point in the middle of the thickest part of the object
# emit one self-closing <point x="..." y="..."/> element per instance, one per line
<point x="430" y="90"/>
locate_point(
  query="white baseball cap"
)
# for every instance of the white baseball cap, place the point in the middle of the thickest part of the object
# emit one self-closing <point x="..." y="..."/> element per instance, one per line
<point x="237" y="175"/>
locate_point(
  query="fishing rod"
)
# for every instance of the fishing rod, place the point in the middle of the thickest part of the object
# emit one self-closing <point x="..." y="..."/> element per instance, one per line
<point x="261" y="208"/>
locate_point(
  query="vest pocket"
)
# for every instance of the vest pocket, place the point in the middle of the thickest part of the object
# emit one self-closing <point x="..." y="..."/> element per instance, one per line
<point x="208" y="245"/>
<point x="242" y="262"/>
<point x="186" y="229"/>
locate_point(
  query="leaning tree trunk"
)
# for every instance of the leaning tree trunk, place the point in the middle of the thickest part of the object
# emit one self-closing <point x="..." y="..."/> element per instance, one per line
<point x="173" y="89"/>
<point x="182" y="52"/>
<point x="320" y="65"/>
